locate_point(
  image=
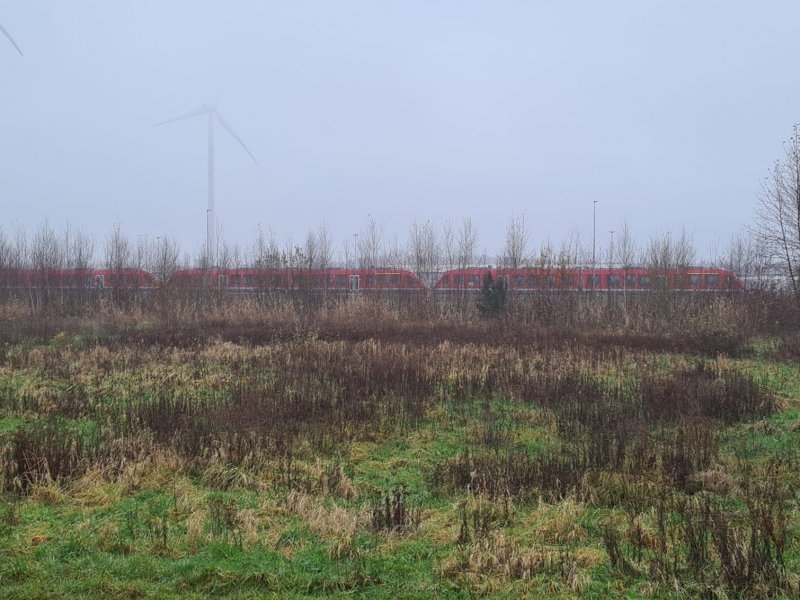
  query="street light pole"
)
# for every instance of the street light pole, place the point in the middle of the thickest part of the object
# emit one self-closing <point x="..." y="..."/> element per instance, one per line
<point x="594" y="242"/>
<point x="594" y="230"/>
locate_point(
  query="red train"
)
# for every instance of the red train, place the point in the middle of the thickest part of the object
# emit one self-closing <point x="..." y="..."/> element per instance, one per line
<point x="637" y="279"/>
<point x="77" y="279"/>
<point x="697" y="279"/>
<point x="245" y="280"/>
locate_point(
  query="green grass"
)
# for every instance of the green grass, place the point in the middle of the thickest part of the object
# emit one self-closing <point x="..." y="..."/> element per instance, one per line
<point x="138" y="541"/>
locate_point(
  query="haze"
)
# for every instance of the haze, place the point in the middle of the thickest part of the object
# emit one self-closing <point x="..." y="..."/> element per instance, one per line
<point x="669" y="114"/>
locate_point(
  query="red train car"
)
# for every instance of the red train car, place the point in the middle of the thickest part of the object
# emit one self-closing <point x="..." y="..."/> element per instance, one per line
<point x="73" y="279"/>
<point x="692" y="279"/>
<point x="245" y="280"/>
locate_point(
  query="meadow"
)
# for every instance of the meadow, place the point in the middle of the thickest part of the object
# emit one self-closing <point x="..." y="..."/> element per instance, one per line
<point x="364" y="451"/>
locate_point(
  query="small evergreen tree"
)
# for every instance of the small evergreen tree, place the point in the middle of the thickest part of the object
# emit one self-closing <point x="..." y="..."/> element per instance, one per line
<point x="492" y="302"/>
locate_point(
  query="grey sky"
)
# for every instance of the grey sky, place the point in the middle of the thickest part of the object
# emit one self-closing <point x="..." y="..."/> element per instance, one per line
<point x="667" y="112"/>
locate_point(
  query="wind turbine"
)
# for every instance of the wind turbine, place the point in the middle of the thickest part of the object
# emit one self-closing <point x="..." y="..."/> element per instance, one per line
<point x="10" y="39"/>
<point x="212" y="113"/>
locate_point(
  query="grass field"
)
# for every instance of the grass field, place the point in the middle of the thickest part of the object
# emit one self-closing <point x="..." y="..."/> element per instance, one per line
<point x="400" y="463"/>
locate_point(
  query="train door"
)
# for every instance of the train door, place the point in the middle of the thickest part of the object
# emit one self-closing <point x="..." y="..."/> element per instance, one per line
<point x="354" y="283"/>
<point x="99" y="282"/>
<point x="221" y="281"/>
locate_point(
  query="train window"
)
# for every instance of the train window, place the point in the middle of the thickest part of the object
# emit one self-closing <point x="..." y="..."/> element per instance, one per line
<point x="630" y="280"/>
<point x="711" y="280"/>
<point x="567" y="281"/>
<point x="519" y="281"/>
<point x="299" y="280"/>
<point x="533" y="281"/>
<point x="593" y="281"/>
<point x="661" y="281"/>
<point x="233" y="280"/>
<point x="644" y="281"/>
<point x="473" y="280"/>
<point x="680" y="281"/>
<point x="394" y="279"/>
<point x="614" y="281"/>
<point x="340" y="280"/>
<point x="694" y="279"/>
<point x="551" y="280"/>
<point x="458" y="280"/>
<point x="317" y="281"/>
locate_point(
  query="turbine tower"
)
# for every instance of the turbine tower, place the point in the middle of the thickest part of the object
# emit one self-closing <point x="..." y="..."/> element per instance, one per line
<point x="10" y="39"/>
<point x="212" y="113"/>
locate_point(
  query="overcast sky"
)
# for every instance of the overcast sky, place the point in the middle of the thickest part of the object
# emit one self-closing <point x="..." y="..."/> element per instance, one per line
<point x="668" y="113"/>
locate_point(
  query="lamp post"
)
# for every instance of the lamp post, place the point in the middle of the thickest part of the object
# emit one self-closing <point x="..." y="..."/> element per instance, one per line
<point x="594" y="242"/>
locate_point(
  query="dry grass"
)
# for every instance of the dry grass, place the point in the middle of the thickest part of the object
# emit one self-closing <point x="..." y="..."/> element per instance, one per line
<point x="558" y="523"/>
<point x="333" y="523"/>
<point x="501" y="558"/>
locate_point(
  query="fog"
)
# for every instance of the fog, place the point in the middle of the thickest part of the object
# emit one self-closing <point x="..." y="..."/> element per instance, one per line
<point x="667" y="113"/>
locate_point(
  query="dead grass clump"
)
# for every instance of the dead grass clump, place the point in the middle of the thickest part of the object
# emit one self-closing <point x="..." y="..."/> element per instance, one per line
<point x="331" y="480"/>
<point x="228" y="477"/>
<point x="501" y="557"/>
<point x="93" y="489"/>
<point x="715" y="481"/>
<point x="331" y="523"/>
<point x="558" y="523"/>
<point x="195" y="529"/>
<point x="47" y="492"/>
<point x="155" y="472"/>
<point x="109" y="540"/>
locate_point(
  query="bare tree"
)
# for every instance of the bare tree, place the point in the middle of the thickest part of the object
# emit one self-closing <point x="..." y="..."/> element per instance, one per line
<point x="47" y="257"/>
<point x="348" y="253"/>
<point x="80" y="250"/>
<point x="395" y="255"/>
<point x="227" y="254"/>
<point x="424" y="250"/>
<point x="467" y="243"/>
<point x="324" y="246"/>
<point x="369" y="244"/>
<point x="545" y="256"/>
<point x="449" y="244"/>
<point x="626" y="245"/>
<point x="311" y="250"/>
<point x="47" y="252"/>
<point x="777" y="224"/>
<point x="165" y="259"/>
<point x="517" y="239"/>
<point x="265" y="251"/>
<point x="118" y="249"/>
<point x="6" y="249"/>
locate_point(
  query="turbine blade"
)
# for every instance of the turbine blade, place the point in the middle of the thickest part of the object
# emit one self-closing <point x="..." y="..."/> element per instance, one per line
<point x="201" y="111"/>
<point x="224" y="123"/>
<point x="10" y="39"/>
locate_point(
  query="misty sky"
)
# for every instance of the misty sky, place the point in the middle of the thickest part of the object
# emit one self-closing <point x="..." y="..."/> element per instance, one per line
<point x="669" y="113"/>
